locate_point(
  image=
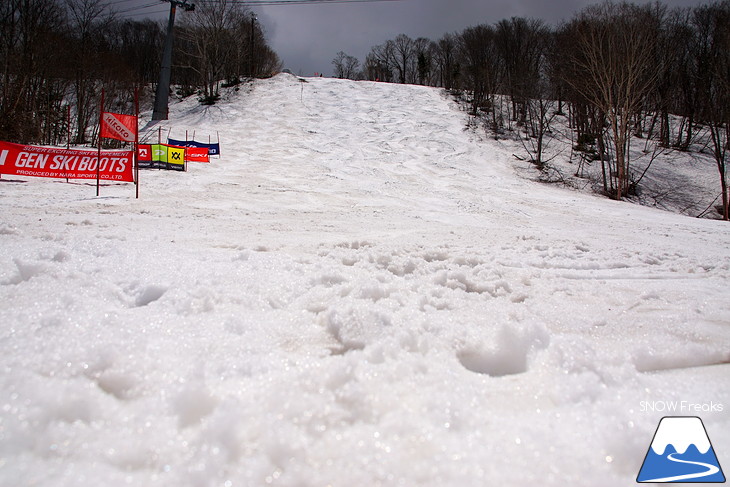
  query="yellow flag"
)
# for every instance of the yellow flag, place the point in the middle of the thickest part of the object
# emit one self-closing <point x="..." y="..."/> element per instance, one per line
<point x="176" y="155"/>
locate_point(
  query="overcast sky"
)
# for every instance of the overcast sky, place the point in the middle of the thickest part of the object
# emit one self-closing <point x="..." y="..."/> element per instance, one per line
<point x="307" y="37"/>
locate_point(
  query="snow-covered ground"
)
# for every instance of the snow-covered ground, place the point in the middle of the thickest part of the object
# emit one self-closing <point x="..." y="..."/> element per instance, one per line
<point x="359" y="292"/>
<point x="684" y="182"/>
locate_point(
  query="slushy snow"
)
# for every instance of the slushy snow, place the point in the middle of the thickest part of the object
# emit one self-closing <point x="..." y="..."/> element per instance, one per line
<point x="360" y="291"/>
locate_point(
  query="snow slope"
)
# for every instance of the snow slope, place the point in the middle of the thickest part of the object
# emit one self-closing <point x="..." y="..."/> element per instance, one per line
<point x="358" y="292"/>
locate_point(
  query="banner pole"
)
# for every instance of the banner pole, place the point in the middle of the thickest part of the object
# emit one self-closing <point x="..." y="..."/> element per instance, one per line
<point x="68" y="128"/>
<point x="98" y="157"/>
<point x="136" y="140"/>
<point x="159" y="141"/>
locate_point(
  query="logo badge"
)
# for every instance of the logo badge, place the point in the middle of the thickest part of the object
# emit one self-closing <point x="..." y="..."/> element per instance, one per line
<point x="681" y="452"/>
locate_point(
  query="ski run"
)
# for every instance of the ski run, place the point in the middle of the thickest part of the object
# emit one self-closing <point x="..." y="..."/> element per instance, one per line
<point x="361" y="291"/>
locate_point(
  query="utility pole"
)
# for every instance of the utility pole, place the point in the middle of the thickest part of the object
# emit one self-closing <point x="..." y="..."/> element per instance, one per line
<point x="252" y="50"/>
<point x="163" y="87"/>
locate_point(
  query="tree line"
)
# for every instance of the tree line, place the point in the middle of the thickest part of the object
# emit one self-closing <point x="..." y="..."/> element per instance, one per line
<point x="616" y="70"/>
<point x="56" y="55"/>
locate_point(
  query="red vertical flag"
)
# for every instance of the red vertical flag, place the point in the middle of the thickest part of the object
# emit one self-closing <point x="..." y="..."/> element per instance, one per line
<point x="119" y="127"/>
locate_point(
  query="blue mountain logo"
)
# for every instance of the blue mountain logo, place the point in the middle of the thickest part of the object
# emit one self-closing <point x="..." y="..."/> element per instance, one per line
<point x="681" y="452"/>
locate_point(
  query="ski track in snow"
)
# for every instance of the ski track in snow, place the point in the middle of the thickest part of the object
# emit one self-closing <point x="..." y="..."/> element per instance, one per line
<point x="360" y="291"/>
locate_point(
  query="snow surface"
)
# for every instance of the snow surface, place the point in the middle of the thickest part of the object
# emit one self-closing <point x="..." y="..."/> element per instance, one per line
<point x="359" y="292"/>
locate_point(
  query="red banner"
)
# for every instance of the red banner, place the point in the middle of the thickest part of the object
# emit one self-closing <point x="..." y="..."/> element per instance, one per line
<point x="119" y="127"/>
<point x="197" y="154"/>
<point x="144" y="153"/>
<point x="51" y="162"/>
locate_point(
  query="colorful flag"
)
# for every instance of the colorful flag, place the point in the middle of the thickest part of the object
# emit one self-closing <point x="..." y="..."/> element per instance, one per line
<point x="196" y="154"/>
<point x="213" y="149"/>
<point x="119" y="127"/>
<point x="162" y="156"/>
<point x="144" y="153"/>
<point x="176" y="155"/>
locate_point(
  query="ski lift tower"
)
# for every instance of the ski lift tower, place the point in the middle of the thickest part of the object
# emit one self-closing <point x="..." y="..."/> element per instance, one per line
<point x="163" y="87"/>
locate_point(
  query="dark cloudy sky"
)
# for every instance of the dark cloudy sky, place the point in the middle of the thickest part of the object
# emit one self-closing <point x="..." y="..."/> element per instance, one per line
<point x="307" y="37"/>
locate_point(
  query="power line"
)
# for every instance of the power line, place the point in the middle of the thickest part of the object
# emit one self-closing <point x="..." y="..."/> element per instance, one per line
<point x="139" y="14"/>
<point x="253" y="3"/>
<point x="141" y="7"/>
<point x="107" y="4"/>
<point x="139" y="11"/>
<point x="127" y="9"/>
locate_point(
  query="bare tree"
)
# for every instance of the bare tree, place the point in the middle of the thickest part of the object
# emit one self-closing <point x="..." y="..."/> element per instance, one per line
<point x="380" y="62"/>
<point x="268" y="62"/>
<point x="712" y="25"/>
<point x="346" y="66"/>
<point x="88" y="18"/>
<point x="478" y="55"/>
<point x="31" y="91"/>
<point x="540" y="100"/>
<point x="404" y="50"/>
<point x="674" y="88"/>
<point x="209" y="34"/>
<point x="424" y="60"/>
<point x="400" y="60"/>
<point x="138" y="44"/>
<point x="521" y="45"/>
<point x="445" y="52"/>
<point x="612" y="60"/>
